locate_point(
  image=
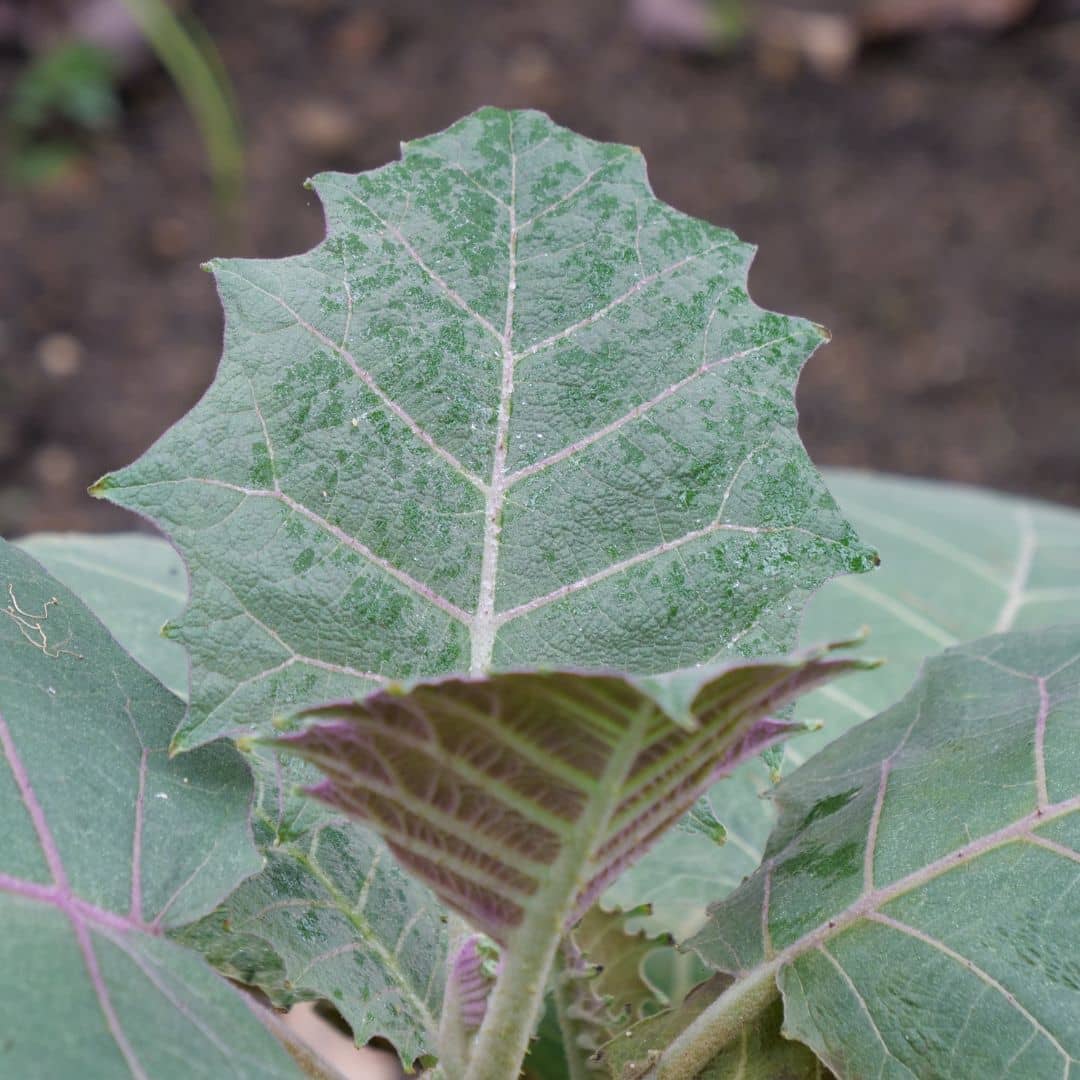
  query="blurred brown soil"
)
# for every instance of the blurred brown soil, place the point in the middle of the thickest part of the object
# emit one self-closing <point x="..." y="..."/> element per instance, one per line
<point x="924" y="208"/>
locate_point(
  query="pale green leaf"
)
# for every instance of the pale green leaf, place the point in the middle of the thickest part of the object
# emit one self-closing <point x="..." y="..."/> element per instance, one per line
<point x="333" y="917"/>
<point x="330" y="915"/>
<point x="514" y="411"/>
<point x="108" y="846"/>
<point x="134" y="583"/>
<point x="956" y="564"/>
<point x="604" y="982"/>
<point x="918" y="904"/>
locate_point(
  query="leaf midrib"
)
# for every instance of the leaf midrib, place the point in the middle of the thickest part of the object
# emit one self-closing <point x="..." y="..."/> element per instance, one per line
<point x="484" y="622"/>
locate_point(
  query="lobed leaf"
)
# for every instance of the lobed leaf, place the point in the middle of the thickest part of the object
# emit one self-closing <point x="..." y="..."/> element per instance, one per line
<point x="918" y="904"/>
<point x="108" y="847"/>
<point x="956" y="563"/>
<point x="521" y="796"/>
<point x="331" y="916"/>
<point x="513" y="412"/>
<point x="605" y="982"/>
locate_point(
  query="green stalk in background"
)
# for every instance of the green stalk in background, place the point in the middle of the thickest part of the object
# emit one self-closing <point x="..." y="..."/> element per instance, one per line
<point x="190" y="57"/>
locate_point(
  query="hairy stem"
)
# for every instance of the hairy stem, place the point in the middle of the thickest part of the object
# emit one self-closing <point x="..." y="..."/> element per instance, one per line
<point x="515" y="1003"/>
<point x="718" y="1025"/>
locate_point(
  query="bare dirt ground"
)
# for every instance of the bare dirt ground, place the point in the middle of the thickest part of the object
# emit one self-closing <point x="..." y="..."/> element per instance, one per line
<point x="924" y="208"/>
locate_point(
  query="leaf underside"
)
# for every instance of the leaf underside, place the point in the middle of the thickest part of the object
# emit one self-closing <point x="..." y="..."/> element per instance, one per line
<point x="525" y="794"/>
<point x="514" y="411"/>
<point x="919" y="898"/>
<point x="108" y="846"/>
<point x="956" y="563"/>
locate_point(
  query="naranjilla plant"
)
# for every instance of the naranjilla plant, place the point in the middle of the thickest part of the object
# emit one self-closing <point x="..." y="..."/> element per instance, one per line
<point x="500" y="542"/>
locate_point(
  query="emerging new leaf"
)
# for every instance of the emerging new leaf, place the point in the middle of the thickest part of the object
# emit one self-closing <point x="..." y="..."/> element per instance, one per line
<point x="513" y="412"/>
<point x="108" y="845"/>
<point x="918" y="903"/>
<point x="519" y="797"/>
<point x="604" y="983"/>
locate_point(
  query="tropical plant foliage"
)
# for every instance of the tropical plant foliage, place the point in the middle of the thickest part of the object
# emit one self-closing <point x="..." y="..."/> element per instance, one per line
<point x="497" y="515"/>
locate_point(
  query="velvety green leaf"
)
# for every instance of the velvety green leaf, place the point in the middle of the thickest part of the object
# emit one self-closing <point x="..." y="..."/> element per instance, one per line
<point x="134" y="583"/>
<point x="520" y="797"/>
<point x="918" y="903"/>
<point x="760" y="1052"/>
<point x="332" y="916"/>
<point x="956" y="563"/>
<point x="108" y="846"/>
<point x="514" y="411"/>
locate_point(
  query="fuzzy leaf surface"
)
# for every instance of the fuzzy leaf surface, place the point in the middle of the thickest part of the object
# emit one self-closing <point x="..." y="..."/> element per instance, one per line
<point x="514" y="411"/>
<point x="519" y="797"/>
<point x="918" y="903"/>
<point x="957" y="563"/>
<point x="132" y="582"/>
<point x="330" y="915"/>
<point x="108" y="847"/>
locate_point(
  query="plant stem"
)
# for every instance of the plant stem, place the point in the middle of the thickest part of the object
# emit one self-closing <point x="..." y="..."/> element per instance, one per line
<point x="310" y="1063"/>
<point x="503" y="1039"/>
<point x="514" y="1006"/>
<point x="718" y="1025"/>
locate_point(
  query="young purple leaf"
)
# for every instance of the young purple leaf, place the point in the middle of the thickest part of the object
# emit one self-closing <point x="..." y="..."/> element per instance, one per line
<point x="524" y="794"/>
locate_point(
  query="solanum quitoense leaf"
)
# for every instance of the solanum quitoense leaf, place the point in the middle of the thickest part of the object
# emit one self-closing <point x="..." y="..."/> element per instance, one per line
<point x="917" y="906"/>
<point x="514" y="411"/>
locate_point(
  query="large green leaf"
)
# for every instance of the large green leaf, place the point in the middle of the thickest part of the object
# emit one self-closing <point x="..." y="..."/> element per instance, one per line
<point x="330" y="915"/>
<point x="134" y="583"/>
<point x="514" y="411"/>
<point x="333" y="917"/>
<point x="956" y="563"/>
<point x="918" y="904"/>
<point x="108" y="846"/>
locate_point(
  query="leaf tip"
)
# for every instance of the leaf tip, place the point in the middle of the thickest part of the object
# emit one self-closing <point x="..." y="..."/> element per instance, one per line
<point x="100" y="487"/>
<point x="823" y="332"/>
